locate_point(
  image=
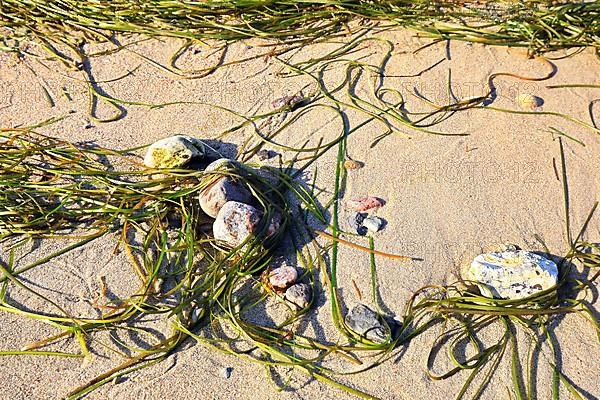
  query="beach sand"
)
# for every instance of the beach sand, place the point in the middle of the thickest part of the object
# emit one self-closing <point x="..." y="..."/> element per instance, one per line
<point x="492" y="180"/>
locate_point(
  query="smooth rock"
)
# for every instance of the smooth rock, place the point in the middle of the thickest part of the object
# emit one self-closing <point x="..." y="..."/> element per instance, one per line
<point x="364" y="321"/>
<point x="374" y="224"/>
<point x="174" y="151"/>
<point x="235" y="222"/>
<point x="513" y="274"/>
<point x="283" y="277"/>
<point x="223" y="164"/>
<point x="355" y="220"/>
<point x="226" y="372"/>
<point x="364" y="203"/>
<point x="299" y="294"/>
<point x="220" y="192"/>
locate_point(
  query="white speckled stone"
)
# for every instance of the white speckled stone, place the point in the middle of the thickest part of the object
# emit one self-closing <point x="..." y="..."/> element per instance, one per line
<point x="513" y="274"/>
<point x="220" y="192"/>
<point x="283" y="277"/>
<point x="173" y="152"/>
<point x="235" y="222"/>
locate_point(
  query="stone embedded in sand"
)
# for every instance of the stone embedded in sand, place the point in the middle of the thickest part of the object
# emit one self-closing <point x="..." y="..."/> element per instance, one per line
<point x="283" y="277"/>
<point x="353" y="164"/>
<point x="355" y="221"/>
<point x="364" y="203"/>
<point x="299" y="294"/>
<point x="529" y="102"/>
<point x="374" y="224"/>
<point x="513" y="274"/>
<point x="173" y="152"/>
<point x="235" y="222"/>
<point x="220" y="192"/>
<point x="364" y="321"/>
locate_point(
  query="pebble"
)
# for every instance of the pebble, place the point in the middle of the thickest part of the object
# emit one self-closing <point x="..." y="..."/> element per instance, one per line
<point x="364" y="203"/>
<point x="365" y="322"/>
<point x="290" y="101"/>
<point x="374" y="224"/>
<point x="220" y="192"/>
<point x="529" y="102"/>
<point x="223" y="164"/>
<point x="226" y="372"/>
<point x="299" y="295"/>
<point x="283" y="277"/>
<point x="235" y="222"/>
<point x="513" y="274"/>
<point x="173" y="152"/>
<point x="265" y="154"/>
<point x="352" y="164"/>
<point x="355" y="220"/>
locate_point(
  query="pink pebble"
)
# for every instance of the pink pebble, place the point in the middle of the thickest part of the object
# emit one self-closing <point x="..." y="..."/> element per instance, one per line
<point x="283" y="277"/>
<point x="364" y="203"/>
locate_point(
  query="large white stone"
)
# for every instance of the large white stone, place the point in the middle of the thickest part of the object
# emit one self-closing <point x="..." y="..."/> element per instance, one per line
<point x="235" y="222"/>
<point x="513" y="274"/>
<point x="173" y="152"/>
<point x="220" y="192"/>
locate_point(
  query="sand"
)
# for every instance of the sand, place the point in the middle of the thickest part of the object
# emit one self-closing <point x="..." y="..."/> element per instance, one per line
<point x="448" y="198"/>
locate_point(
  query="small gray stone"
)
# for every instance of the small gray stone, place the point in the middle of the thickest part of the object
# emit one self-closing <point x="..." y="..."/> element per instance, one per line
<point x="226" y="372"/>
<point x="265" y="154"/>
<point x="235" y="222"/>
<point x="364" y="321"/>
<point x="270" y="177"/>
<point x="374" y="224"/>
<point x="283" y="277"/>
<point x="513" y="274"/>
<point x="173" y="152"/>
<point x="220" y="192"/>
<point x="299" y="294"/>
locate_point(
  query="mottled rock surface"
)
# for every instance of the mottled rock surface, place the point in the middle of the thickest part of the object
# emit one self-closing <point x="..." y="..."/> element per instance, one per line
<point x="283" y="277"/>
<point x="235" y="222"/>
<point x="173" y="152"/>
<point x="299" y="294"/>
<point x="364" y="321"/>
<point x="513" y="274"/>
<point x="220" y="192"/>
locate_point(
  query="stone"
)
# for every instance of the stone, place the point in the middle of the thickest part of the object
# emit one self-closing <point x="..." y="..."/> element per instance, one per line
<point x="374" y="224"/>
<point x="223" y="164"/>
<point x="355" y="220"/>
<point x="364" y="203"/>
<point x="226" y="372"/>
<point x="365" y="322"/>
<point x="220" y="192"/>
<point x="299" y="295"/>
<point x="235" y="222"/>
<point x="173" y="152"/>
<point x="274" y="224"/>
<point x="353" y="164"/>
<point x="267" y="175"/>
<point x="529" y="102"/>
<point x="513" y="274"/>
<point x="283" y="277"/>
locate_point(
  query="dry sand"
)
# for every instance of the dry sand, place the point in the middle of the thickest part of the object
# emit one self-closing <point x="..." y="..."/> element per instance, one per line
<point x="448" y="198"/>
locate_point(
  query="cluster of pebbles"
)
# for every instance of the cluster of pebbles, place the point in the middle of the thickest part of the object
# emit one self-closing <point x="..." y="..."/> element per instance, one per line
<point x="284" y="280"/>
<point x="507" y="274"/>
<point x="232" y="205"/>
<point x="359" y="220"/>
